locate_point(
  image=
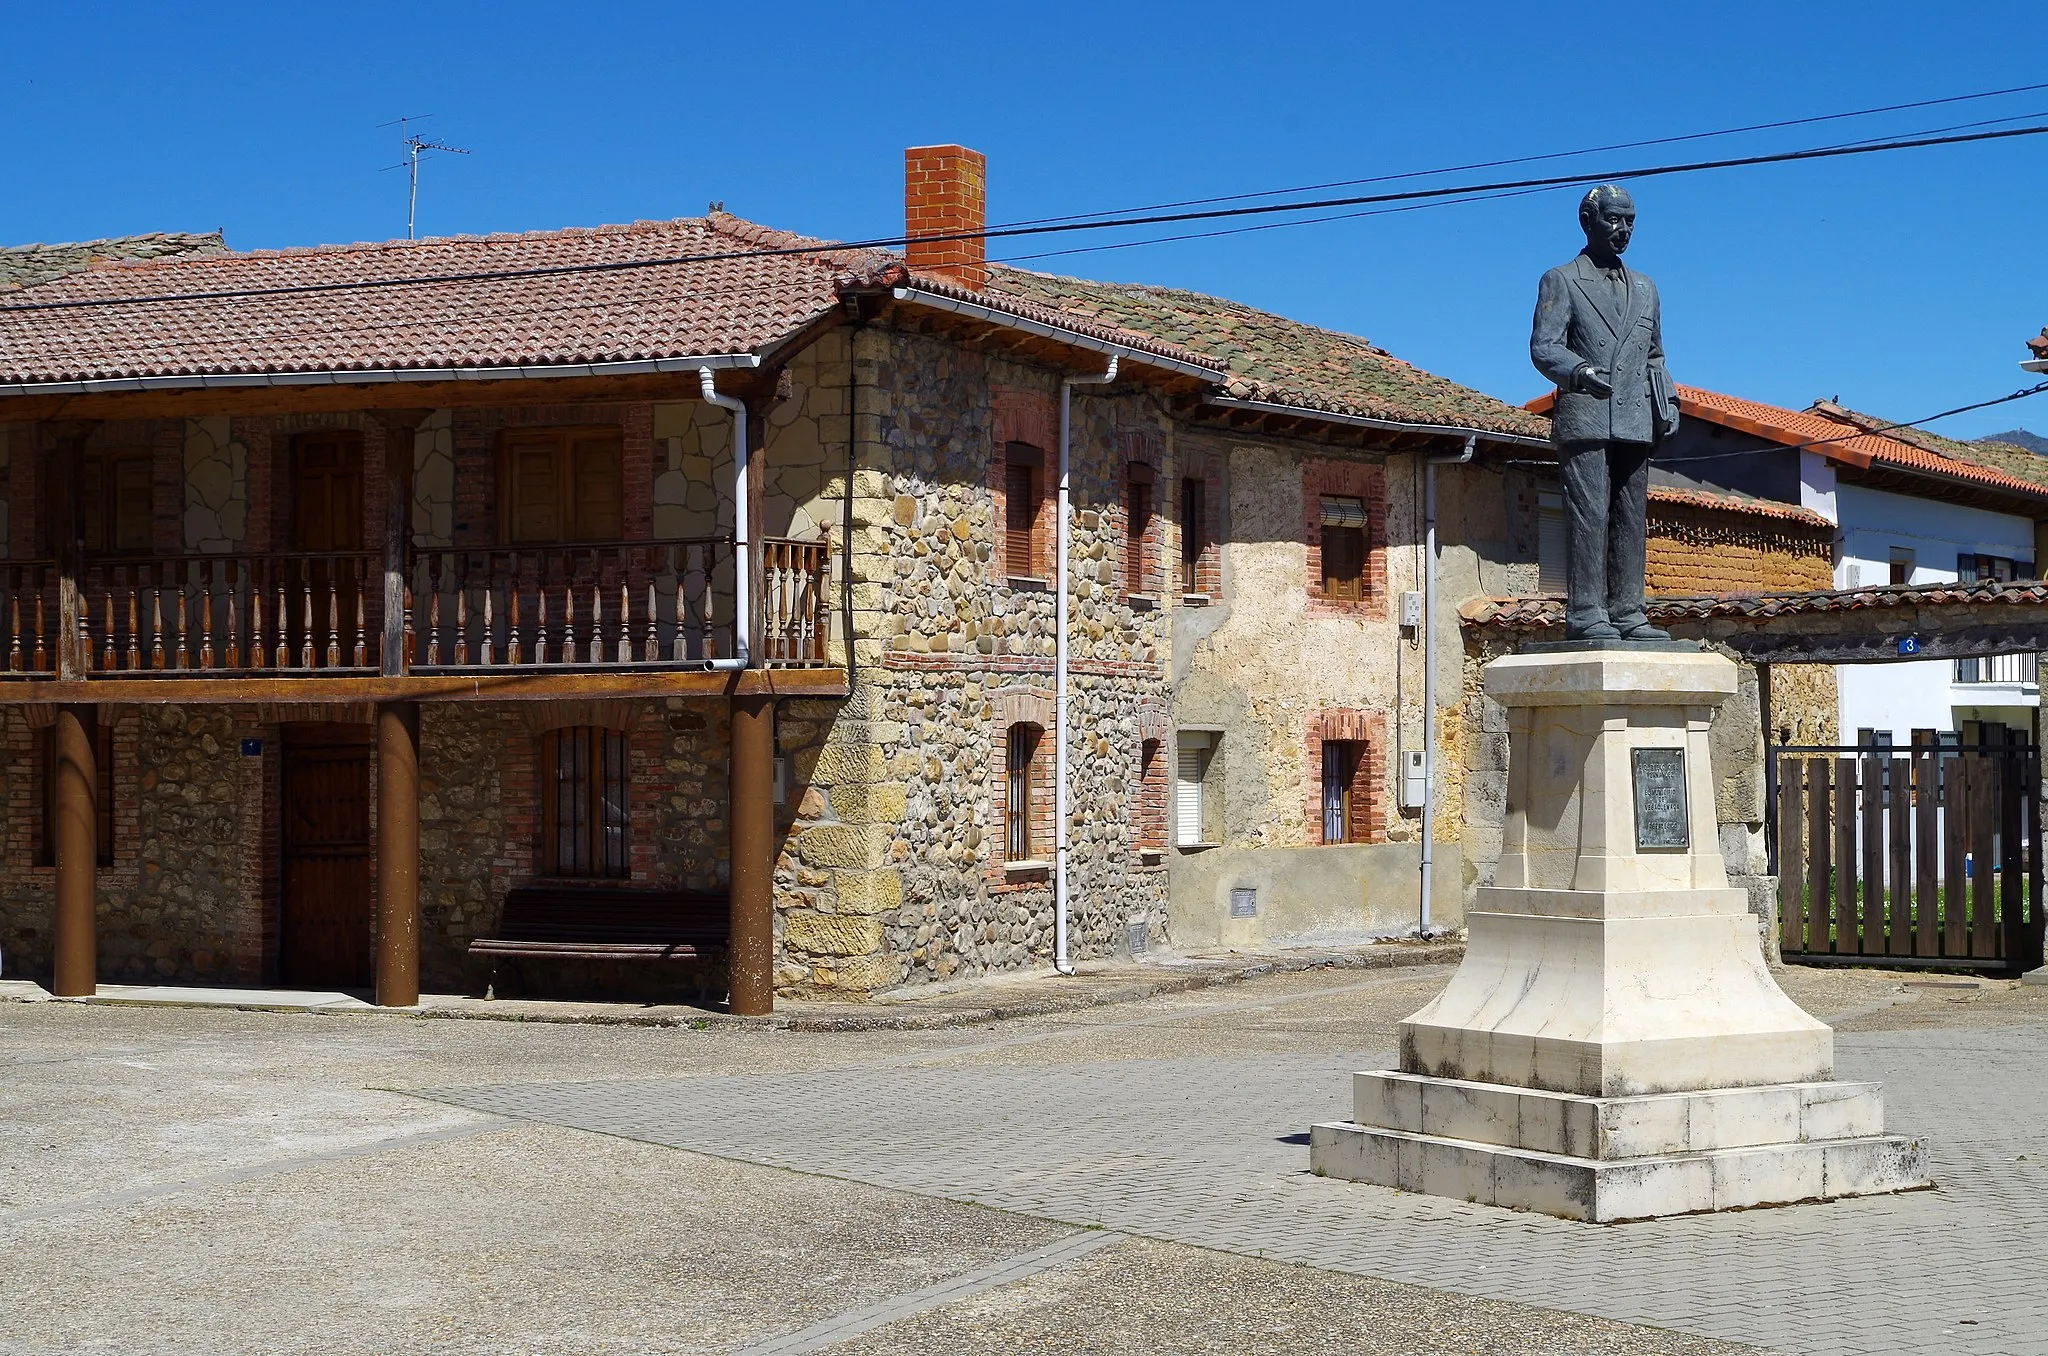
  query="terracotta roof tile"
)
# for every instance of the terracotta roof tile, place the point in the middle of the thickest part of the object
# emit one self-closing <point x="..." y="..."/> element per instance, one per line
<point x="1737" y="503"/>
<point x="28" y="265"/>
<point x="1839" y="440"/>
<point x="1535" y="614"/>
<point x="1270" y="357"/>
<point x="727" y="305"/>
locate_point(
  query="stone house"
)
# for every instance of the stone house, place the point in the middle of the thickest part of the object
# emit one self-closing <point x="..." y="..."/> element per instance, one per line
<point x="354" y="593"/>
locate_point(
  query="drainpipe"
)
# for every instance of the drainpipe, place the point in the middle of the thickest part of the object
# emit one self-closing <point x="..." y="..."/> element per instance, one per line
<point x="742" y="563"/>
<point x="1429" y="664"/>
<point x="1059" y="791"/>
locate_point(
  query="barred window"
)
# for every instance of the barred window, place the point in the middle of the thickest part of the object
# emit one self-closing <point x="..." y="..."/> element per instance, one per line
<point x="583" y="805"/>
<point x="1019" y="765"/>
<point x="1343" y="547"/>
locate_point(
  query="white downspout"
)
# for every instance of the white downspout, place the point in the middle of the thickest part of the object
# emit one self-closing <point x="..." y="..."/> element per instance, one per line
<point x="1059" y="664"/>
<point x="1429" y="665"/>
<point x="742" y="561"/>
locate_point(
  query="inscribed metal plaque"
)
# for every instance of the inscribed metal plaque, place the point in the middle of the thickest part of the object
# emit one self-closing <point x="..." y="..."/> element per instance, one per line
<point x="1660" y="798"/>
<point x="1244" y="902"/>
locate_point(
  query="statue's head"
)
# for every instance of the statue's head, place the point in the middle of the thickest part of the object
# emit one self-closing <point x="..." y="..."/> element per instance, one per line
<point x="1607" y="214"/>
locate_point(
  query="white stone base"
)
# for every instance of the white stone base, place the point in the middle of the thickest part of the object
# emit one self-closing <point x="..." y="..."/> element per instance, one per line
<point x="1617" y="1158"/>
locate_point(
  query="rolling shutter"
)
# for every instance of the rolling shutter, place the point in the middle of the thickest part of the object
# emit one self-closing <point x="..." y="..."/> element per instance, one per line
<point x="1187" y="789"/>
<point x="1550" y="544"/>
<point x="1020" y="515"/>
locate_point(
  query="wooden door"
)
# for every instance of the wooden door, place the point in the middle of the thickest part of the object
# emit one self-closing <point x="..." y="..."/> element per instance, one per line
<point x="324" y="907"/>
<point x="327" y="515"/>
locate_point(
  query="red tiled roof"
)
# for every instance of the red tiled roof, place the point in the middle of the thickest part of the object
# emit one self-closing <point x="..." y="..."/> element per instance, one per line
<point x="743" y="302"/>
<point x="1737" y="503"/>
<point x="1536" y="614"/>
<point x="1833" y="439"/>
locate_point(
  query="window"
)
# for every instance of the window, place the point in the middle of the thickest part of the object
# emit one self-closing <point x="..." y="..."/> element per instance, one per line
<point x="1194" y="531"/>
<point x="1343" y="547"/>
<point x="1901" y="561"/>
<point x="103" y="793"/>
<point x="1550" y="544"/>
<point x="1343" y="805"/>
<point x="562" y="485"/>
<point x="1023" y="482"/>
<point x="116" y="503"/>
<point x="1138" y="529"/>
<point x="583" y="803"/>
<point x="1194" y="806"/>
<point x="1019" y="764"/>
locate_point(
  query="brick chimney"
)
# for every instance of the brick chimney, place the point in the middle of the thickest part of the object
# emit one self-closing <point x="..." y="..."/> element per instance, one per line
<point x="944" y="194"/>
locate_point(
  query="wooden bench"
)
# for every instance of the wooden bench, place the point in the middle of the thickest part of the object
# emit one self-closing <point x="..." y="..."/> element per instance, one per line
<point x="608" y="923"/>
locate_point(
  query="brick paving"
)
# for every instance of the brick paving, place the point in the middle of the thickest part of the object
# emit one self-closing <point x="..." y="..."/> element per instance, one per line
<point x="1212" y="1152"/>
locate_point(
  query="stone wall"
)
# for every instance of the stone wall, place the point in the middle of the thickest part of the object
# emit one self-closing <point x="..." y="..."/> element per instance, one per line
<point x="184" y="898"/>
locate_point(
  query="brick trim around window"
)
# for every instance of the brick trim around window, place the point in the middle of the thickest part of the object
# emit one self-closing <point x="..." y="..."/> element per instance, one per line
<point x="1028" y="420"/>
<point x="1011" y="707"/>
<point x="1139" y="455"/>
<point x="1148" y="807"/>
<point x="1367" y="483"/>
<point x="1205" y="552"/>
<point x="1368" y="784"/>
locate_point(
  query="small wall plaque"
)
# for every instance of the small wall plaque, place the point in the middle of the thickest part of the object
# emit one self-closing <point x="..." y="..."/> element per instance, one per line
<point x="1244" y="902"/>
<point x="1661" y="818"/>
<point x="252" y="748"/>
<point x="1137" y="935"/>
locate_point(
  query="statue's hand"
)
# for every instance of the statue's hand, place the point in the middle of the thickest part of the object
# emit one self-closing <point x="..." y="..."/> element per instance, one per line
<point x="1593" y="381"/>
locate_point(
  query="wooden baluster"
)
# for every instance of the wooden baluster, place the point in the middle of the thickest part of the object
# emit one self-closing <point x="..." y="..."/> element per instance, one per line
<point x="281" y="615"/>
<point x="362" y="645"/>
<point x="306" y="633"/>
<point x="108" y="659"/>
<point x="625" y="609"/>
<point x="568" y="608"/>
<point x="410" y="641"/>
<point x="435" y="579"/>
<point x="233" y="632"/>
<point x="14" y="577"/>
<point x="490" y="609"/>
<point x="42" y="654"/>
<point x="134" y="573"/>
<point x="156" y="618"/>
<point x="651" y="651"/>
<point x="512" y="646"/>
<point x="540" y="590"/>
<point x="334" y="613"/>
<point x="259" y="584"/>
<point x="205" y="586"/>
<point x="596" y="608"/>
<point x="181" y="658"/>
<point x="462" y="643"/>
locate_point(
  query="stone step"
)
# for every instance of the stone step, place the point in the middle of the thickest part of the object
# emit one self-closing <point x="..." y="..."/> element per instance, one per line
<point x="1611" y="1190"/>
<point x="1616" y="1127"/>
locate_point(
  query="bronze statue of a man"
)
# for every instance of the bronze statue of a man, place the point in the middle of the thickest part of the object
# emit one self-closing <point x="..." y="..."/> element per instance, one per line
<point x="1598" y="335"/>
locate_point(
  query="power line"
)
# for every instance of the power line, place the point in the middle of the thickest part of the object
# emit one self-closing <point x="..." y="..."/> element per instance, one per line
<point x="1409" y="195"/>
<point x="1551" y="155"/>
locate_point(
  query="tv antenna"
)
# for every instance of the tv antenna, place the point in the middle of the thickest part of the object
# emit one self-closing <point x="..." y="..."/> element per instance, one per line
<point x="415" y="145"/>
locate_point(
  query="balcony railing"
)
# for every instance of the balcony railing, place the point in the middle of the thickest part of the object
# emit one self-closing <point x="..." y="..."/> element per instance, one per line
<point x="1999" y="668"/>
<point x="664" y="604"/>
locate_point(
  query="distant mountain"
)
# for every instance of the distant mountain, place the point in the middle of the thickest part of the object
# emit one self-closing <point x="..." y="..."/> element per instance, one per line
<point x="2019" y="437"/>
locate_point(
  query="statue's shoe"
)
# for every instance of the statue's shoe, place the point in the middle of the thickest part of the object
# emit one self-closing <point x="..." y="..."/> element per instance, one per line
<point x="1596" y="631"/>
<point x="1644" y="631"/>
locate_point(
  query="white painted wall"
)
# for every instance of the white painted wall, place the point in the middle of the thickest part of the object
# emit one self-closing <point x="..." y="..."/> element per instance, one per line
<point x="1909" y="696"/>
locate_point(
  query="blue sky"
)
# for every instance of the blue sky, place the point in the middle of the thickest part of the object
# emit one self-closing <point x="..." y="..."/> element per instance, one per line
<point x="1901" y="284"/>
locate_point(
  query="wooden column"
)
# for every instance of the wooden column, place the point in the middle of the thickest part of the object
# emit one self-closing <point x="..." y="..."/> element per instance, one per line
<point x="398" y="854"/>
<point x="400" y="430"/>
<point x="752" y="823"/>
<point x="76" y="852"/>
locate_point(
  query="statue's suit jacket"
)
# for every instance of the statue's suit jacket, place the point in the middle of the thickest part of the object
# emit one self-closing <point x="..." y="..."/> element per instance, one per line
<point x="1579" y="320"/>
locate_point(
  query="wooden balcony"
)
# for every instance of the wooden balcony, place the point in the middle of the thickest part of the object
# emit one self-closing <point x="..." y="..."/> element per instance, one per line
<point x="276" y="622"/>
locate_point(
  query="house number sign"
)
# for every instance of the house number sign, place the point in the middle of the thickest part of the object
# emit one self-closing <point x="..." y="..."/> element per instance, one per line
<point x="1660" y="798"/>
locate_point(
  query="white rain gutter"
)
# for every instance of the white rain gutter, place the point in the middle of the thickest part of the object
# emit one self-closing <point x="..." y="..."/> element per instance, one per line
<point x="227" y="381"/>
<point x="1429" y="663"/>
<point x="991" y="316"/>
<point x="1059" y="665"/>
<point x="742" y="601"/>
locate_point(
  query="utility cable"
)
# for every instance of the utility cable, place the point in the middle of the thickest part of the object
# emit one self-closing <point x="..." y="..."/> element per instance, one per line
<point x="1408" y="195"/>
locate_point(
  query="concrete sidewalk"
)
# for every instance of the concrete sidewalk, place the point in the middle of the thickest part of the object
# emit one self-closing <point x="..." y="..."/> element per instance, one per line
<point x="927" y="1008"/>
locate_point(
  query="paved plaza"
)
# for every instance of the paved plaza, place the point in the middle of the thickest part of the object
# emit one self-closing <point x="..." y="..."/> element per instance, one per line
<point x="1126" y="1178"/>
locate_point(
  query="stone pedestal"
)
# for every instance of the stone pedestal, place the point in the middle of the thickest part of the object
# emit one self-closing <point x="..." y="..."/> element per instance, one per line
<point x="1613" y="1045"/>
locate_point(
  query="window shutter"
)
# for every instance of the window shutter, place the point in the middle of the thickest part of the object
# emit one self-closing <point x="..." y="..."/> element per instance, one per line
<point x="1137" y="523"/>
<point x="1187" y="791"/>
<point x="1194" y="530"/>
<point x="1550" y="545"/>
<point x="1020" y="514"/>
<point x="536" y="490"/>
